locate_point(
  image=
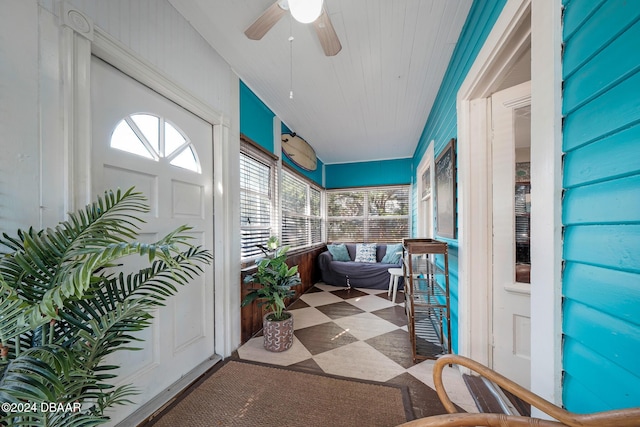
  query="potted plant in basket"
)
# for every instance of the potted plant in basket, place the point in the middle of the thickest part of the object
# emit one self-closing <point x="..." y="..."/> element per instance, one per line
<point x="272" y="284"/>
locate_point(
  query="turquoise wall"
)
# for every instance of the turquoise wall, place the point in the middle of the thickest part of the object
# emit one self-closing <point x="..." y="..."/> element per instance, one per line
<point x="256" y="119"/>
<point x="367" y="174"/>
<point x="256" y="122"/>
<point x="441" y="124"/>
<point x="601" y="206"/>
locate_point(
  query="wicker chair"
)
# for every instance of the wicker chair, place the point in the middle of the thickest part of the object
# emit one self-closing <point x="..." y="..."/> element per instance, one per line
<point x="618" y="418"/>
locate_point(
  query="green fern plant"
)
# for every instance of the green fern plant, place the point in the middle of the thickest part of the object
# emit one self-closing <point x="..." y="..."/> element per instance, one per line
<point x="64" y="308"/>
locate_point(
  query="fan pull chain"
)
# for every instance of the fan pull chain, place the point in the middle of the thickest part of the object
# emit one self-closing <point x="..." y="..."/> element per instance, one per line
<point x="291" y="67"/>
<point x="290" y="60"/>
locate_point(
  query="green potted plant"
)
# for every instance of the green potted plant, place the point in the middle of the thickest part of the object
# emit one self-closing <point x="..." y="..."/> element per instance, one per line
<point x="66" y="304"/>
<point x="272" y="284"/>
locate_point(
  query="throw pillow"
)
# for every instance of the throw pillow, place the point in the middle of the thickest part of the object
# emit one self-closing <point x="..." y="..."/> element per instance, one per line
<point x="366" y="252"/>
<point x="393" y="255"/>
<point x="339" y="252"/>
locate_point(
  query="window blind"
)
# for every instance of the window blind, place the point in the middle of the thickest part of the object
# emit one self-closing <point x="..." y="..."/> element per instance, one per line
<point x="373" y="214"/>
<point x="256" y="202"/>
<point x="301" y="212"/>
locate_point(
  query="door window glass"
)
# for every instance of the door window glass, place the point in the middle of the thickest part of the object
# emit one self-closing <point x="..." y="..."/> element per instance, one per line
<point x="140" y="134"/>
<point x="522" y="193"/>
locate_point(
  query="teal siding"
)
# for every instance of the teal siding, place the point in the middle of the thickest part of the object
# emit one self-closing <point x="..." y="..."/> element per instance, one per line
<point x="591" y="36"/>
<point x="577" y="16"/>
<point x="612" y="245"/>
<point x="603" y="160"/>
<point x="605" y="115"/>
<point x="441" y="125"/>
<point x="601" y="205"/>
<point x="607" y="69"/>
<point x="585" y="393"/>
<point x="605" y="202"/>
<point x="609" y="336"/>
<point x="368" y="174"/>
<point x="613" y="292"/>
<point x="453" y="292"/>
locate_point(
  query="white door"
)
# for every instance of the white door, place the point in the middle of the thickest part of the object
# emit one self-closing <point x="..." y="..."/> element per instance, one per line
<point x="511" y="298"/>
<point x="142" y="139"/>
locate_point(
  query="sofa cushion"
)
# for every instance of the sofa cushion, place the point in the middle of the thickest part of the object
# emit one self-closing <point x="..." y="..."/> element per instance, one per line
<point x="356" y="274"/>
<point x="351" y="248"/>
<point x="366" y="252"/>
<point x="394" y="252"/>
<point x="339" y="252"/>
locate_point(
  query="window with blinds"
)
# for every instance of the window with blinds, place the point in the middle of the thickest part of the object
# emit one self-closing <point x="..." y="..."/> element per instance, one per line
<point x="257" y="196"/>
<point x="373" y="214"/>
<point x="301" y="212"/>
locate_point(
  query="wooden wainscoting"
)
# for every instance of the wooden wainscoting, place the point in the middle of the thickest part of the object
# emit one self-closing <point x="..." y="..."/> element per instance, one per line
<point x="251" y="315"/>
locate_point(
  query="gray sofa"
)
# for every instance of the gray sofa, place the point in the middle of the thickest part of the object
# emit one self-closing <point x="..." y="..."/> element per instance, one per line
<point x="360" y="274"/>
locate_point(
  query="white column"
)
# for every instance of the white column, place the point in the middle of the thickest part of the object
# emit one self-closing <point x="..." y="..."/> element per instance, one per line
<point x="226" y="170"/>
<point x="75" y="55"/>
<point x="546" y="221"/>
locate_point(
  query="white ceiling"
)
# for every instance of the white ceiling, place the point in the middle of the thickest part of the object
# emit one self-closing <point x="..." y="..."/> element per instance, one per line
<point x="371" y="100"/>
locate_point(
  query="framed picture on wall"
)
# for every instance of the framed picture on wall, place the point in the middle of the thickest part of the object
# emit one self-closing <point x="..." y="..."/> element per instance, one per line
<point x="446" y="191"/>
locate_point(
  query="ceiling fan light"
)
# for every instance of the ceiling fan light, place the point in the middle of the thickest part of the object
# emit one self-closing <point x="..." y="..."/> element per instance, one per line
<point x="305" y="11"/>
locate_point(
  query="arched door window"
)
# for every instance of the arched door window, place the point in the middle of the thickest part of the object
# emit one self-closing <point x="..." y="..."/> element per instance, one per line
<point x="155" y="138"/>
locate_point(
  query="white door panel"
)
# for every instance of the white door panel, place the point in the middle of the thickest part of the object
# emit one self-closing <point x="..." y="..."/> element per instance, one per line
<point x="181" y="336"/>
<point x="511" y="312"/>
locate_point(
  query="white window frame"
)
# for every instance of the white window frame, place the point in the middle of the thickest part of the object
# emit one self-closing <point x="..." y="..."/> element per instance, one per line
<point x="289" y="173"/>
<point x="366" y="216"/>
<point x="425" y="202"/>
<point x="250" y="150"/>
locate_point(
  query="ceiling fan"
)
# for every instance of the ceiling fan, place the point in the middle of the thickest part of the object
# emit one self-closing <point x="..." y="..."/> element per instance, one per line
<point x="322" y="23"/>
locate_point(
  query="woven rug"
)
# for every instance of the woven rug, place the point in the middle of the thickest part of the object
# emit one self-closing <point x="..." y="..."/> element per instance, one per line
<point x="248" y="394"/>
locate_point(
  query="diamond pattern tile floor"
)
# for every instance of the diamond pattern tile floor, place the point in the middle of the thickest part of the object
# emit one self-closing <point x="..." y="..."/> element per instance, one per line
<point x="359" y="333"/>
<point x="338" y="337"/>
<point x="339" y="309"/>
<point x="308" y="316"/>
<point x="365" y="325"/>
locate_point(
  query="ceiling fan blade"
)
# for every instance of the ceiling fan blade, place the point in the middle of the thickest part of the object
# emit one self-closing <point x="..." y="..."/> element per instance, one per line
<point x="327" y="34"/>
<point x="268" y="19"/>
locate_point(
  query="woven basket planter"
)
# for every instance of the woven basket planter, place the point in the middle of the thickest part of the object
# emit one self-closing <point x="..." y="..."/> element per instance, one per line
<point x="278" y="334"/>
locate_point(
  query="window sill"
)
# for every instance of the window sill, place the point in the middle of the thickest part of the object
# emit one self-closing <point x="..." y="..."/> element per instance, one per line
<point x="247" y="266"/>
